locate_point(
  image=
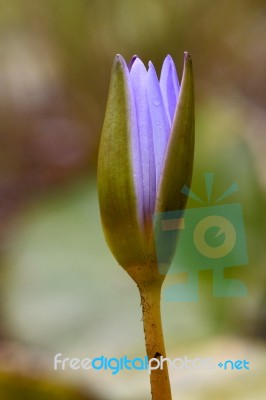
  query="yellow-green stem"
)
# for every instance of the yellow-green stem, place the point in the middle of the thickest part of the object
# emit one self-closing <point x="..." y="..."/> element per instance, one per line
<point x="150" y="293"/>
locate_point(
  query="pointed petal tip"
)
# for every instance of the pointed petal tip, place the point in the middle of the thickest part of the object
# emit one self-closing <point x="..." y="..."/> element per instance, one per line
<point x="168" y="57"/>
<point x="187" y="61"/>
<point x="120" y="61"/>
<point x="151" y="69"/>
<point x="187" y="56"/>
<point x="118" y="57"/>
<point x="167" y="61"/>
<point x="139" y="65"/>
<point x="131" y="62"/>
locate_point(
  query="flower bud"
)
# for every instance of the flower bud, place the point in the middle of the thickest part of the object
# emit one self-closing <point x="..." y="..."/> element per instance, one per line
<point x="145" y="156"/>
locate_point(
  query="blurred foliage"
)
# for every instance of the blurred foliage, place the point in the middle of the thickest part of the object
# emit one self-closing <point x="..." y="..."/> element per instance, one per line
<point x="56" y="273"/>
<point x="15" y="386"/>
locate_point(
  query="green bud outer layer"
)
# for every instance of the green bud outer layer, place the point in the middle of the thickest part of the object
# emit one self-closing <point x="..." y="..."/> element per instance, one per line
<point x="116" y="191"/>
<point x="178" y="162"/>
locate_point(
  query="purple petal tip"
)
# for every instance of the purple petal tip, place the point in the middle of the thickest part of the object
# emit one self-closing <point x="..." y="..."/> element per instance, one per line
<point x="131" y="62"/>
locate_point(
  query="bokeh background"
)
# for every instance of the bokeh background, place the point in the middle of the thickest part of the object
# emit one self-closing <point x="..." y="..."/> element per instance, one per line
<point x="61" y="290"/>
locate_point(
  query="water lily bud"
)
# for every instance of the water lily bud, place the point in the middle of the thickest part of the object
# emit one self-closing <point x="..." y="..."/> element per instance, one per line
<point x="145" y="156"/>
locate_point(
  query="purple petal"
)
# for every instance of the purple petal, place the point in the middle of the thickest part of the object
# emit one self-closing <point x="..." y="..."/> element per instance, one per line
<point x="139" y="75"/>
<point x="131" y="62"/>
<point x="159" y="119"/>
<point x="134" y="137"/>
<point x="169" y="86"/>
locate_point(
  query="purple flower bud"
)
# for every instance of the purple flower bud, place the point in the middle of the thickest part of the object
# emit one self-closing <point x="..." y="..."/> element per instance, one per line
<point x="146" y="153"/>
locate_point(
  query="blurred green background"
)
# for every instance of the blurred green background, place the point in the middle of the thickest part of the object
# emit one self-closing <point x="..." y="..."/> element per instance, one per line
<point x="61" y="290"/>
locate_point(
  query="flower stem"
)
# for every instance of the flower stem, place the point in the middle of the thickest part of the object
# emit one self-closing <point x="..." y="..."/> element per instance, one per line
<point x="150" y="293"/>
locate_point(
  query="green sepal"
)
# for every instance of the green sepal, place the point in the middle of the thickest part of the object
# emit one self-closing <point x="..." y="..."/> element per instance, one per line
<point x="178" y="161"/>
<point x="116" y="192"/>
